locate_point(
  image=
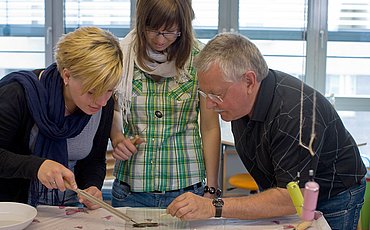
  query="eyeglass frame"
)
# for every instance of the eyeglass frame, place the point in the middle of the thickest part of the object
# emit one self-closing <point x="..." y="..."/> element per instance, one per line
<point x="215" y="98"/>
<point x="155" y="33"/>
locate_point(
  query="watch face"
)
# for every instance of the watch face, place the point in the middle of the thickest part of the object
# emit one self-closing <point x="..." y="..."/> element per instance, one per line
<point x="218" y="202"/>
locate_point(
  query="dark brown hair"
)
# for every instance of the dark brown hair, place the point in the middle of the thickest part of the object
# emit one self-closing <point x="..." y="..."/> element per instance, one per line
<point x="154" y="14"/>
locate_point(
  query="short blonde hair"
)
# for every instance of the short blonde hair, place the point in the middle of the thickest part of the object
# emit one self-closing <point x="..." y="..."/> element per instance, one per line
<point x="92" y="55"/>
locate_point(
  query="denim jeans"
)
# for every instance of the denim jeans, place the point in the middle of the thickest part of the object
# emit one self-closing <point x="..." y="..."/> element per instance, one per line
<point x="343" y="210"/>
<point x="123" y="197"/>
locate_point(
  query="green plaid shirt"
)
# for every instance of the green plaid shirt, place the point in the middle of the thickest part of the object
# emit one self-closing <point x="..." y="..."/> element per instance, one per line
<point x="165" y="114"/>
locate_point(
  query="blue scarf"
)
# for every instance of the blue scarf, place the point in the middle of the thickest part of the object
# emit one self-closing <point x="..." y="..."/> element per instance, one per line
<point x="46" y="104"/>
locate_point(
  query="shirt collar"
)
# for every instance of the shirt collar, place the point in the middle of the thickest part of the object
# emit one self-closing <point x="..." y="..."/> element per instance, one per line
<point x="264" y="97"/>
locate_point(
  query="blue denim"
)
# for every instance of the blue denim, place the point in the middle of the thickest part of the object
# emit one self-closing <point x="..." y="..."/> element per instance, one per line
<point x="123" y="197"/>
<point x="343" y="210"/>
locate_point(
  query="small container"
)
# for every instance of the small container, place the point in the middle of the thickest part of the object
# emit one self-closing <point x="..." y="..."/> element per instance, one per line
<point x="311" y="194"/>
<point x="296" y="196"/>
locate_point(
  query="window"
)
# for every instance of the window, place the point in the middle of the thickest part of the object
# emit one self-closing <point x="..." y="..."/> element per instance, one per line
<point x="323" y="42"/>
<point x="21" y="35"/>
<point x="206" y="18"/>
<point x="277" y="28"/>
<point x="347" y="68"/>
<point x="112" y="15"/>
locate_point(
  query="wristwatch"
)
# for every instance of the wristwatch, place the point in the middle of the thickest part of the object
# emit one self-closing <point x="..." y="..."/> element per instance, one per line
<point x="218" y="203"/>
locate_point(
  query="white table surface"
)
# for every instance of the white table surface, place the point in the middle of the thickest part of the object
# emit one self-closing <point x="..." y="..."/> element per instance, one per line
<point x="58" y="218"/>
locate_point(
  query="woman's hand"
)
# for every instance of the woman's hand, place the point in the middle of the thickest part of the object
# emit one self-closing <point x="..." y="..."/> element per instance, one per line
<point x="94" y="191"/>
<point x="53" y="174"/>
<point x="124" y="148"/>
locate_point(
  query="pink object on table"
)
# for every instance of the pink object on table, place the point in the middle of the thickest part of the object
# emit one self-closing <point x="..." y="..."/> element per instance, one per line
<point x="311" y="194"/>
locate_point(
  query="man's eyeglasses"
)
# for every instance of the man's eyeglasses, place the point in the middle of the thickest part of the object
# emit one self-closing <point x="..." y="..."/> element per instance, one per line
<point x="215" y="98"/>
<point x="167" y="35"/>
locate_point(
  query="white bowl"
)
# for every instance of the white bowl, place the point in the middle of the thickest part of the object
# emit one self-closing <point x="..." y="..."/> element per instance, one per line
<point x="16" y="216"/>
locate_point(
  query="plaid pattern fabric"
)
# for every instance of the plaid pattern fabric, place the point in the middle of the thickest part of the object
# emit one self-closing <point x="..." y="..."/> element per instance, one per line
<point x="165" y="114"/>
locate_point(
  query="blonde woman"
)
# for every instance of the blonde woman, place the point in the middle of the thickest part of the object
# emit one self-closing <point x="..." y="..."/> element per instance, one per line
<point x="55" y="122"/>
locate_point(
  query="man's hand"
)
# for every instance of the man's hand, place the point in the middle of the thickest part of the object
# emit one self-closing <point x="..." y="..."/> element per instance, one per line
<point x="189" y="206"/>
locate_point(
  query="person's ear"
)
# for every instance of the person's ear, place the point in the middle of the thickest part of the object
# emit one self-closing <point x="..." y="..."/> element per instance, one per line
<point x="66" y="75"/>
<point x="250" y="80"/>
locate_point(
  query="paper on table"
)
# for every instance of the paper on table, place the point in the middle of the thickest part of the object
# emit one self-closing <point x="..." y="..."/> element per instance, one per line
<point x="71" y="218"/>
<point x="58" y="218"/>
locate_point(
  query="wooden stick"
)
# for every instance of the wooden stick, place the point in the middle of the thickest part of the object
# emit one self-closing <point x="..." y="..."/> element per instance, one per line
<point x="104" y="205"/>
<point x="361" y="144"/>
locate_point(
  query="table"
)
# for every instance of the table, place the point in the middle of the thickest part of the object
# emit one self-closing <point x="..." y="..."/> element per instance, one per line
<point x="65" y="218"/>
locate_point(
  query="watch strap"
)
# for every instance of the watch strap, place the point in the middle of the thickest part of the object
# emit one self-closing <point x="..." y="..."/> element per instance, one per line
<point x="218" y="203"/>
<point x="218" y="211"/>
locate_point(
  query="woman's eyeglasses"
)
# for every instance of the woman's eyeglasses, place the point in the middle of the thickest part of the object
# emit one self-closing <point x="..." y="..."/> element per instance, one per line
<point x="167" y="35"/>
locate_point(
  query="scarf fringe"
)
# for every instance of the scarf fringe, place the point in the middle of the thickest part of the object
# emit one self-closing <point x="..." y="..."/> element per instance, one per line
<point x="38" y="191"/>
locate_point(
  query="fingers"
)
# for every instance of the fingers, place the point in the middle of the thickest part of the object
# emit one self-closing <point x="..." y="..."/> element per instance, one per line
<point x="52" y="185"/>
<point x="125" y="148"/>
<point x="180" y="206"/>
<point x="94" y="191"/>
<point x="70" y="183"/>
<point x="189" y="206"/>
<point x="137" y="140"/>
<point x="52" y="174"/>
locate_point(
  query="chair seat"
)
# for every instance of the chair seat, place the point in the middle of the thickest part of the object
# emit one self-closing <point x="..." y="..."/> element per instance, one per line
<point x="244" y="181"/>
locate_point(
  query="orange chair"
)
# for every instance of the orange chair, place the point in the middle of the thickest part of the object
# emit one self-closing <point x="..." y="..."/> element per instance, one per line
<point x="244" y="181"/>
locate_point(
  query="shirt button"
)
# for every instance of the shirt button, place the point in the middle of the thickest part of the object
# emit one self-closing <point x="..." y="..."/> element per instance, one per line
<point x="158" y="114"/>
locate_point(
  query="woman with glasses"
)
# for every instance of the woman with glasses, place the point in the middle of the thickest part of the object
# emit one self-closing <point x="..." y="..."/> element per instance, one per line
<point x="164" y="149"/>
<point x="56" y="122"/>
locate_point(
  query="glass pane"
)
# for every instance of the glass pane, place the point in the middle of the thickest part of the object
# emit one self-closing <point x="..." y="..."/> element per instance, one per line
<point x="286" y="56"/>
<point x="357" y="124"/>
<point x="348" y="69"/>
<point x="22" y="12"/>
<point x="109" y="14"/>
<point x="272" y="14"/>
<point x="276" y="27"/>
<point x="22" y="25"/>
<point x="206" y="18"/>
<point x="349" y="15"/>
<point x="206" y="14"/>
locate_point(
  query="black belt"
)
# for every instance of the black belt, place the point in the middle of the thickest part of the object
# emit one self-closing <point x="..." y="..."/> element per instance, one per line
<point x="186" y="189"/>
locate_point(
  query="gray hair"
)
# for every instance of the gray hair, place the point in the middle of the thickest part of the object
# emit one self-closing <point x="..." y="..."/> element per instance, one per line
<point x="235" y="54"/>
